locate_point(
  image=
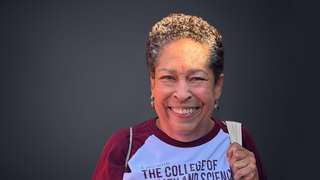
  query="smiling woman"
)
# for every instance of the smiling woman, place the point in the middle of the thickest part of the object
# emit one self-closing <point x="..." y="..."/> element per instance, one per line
<point x="183" y="81"/>
<point x="185" y="57"/>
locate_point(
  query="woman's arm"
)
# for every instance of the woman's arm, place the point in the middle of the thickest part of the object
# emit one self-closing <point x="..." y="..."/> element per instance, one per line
<point x="248" y="143"/>
<point x="111" y="165"/>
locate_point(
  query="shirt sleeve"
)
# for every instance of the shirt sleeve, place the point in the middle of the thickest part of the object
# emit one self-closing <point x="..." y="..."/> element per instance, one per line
<point x="111" y="165"/>
<point x="248" y="143"/>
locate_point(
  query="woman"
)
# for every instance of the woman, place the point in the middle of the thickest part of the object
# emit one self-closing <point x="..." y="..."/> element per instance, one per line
<point x="185" y="59"/>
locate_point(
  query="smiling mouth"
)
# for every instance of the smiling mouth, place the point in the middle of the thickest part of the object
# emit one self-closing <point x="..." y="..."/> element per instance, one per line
<point x="183" y="111"/>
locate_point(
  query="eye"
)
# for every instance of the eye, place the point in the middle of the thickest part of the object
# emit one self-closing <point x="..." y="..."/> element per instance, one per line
<point x="167" y="78"/>
<point x="197" y="79"/>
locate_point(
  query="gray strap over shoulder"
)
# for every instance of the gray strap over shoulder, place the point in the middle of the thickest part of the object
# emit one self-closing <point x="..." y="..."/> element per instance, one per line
<point x="129" y="150"/>
<point x="234" y="129"/>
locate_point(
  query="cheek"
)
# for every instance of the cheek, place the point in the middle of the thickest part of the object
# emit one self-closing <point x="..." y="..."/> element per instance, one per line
<point x="161" y="95"/>
<point x="205" y="95"/>
<point x="204" y="91"/>
<point x="162" y="90"/>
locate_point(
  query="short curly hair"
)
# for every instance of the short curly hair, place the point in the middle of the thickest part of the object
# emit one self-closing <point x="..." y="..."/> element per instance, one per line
<point x="180" y="26"/>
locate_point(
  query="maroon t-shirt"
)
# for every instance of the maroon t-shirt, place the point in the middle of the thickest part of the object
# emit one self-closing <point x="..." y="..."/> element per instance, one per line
<point x="111" y="165"/>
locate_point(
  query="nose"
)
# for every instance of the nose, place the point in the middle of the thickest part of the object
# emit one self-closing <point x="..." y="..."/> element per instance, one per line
<point x="182" y="91"/>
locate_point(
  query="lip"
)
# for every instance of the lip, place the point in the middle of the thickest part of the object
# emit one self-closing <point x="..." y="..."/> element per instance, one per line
<point x="183" y="115"/>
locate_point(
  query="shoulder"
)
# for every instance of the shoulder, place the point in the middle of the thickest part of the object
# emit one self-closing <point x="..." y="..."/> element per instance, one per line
<point x="111" y="164"/>
<point x="124" y="134"/>
<point x="122" y="137"/>
<point x="120" y="140"/>
<point x="247" y="140"/>
<point x="112" y="159"/>
<point x="248" y="143"/>
<point x="117" y="146"/>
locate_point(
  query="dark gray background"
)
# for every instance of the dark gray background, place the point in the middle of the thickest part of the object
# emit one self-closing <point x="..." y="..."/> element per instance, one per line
<point x="74" y="72"/>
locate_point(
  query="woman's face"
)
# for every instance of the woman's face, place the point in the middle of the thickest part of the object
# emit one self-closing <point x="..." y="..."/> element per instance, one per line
<point x="184" y="89"/>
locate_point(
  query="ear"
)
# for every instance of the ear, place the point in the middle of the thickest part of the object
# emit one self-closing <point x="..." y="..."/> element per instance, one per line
<point x="152" y="85"/>
<point x="218" y="87"/>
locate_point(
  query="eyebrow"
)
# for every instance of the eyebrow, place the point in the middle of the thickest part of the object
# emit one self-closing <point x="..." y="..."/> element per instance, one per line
<point x="195" y="70"/>
<point x="172" y="71"/>
<point x="190" y="71"/>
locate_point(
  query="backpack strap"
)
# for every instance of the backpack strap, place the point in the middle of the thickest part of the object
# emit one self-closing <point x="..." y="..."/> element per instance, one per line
<point x="234" y="129"/>
<point x="129" y="150"/>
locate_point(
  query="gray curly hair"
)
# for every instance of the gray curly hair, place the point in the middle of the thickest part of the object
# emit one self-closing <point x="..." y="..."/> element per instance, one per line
<point x="179" y="26"/>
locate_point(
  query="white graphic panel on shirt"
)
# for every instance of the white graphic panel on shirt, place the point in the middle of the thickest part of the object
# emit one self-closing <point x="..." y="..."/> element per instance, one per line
<point x="157" y="160"/>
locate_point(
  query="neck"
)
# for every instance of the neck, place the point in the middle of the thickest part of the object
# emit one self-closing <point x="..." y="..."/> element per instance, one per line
<point x="186" y="137"/>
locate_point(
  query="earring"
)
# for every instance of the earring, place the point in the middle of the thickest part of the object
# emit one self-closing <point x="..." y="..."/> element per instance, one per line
<point x="216" y="105"/>
<point x="152" y="103"/>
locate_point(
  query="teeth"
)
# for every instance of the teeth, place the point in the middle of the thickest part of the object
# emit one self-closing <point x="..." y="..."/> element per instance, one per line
<point x="184" y="111"/>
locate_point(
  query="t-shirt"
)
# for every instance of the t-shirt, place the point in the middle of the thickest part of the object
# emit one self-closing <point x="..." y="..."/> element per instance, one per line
<point x="156" y="156"/>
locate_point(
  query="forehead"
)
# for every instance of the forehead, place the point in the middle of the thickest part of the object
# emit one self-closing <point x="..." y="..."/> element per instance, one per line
<point x="185" y="53"/>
